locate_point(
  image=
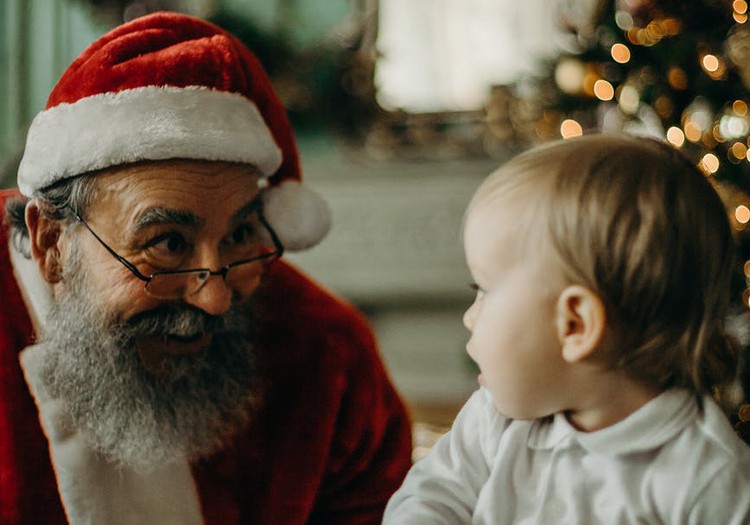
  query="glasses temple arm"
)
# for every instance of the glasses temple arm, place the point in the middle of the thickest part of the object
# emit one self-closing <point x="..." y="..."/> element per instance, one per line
<point x="274" y="238"/>
<point x="114" y="254"/>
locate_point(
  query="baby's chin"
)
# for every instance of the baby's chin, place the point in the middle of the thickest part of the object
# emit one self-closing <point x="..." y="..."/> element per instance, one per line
<point x="514" y="411"/>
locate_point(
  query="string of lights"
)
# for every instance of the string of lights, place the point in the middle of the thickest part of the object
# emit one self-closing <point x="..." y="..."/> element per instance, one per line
<point x="675" y="70"/>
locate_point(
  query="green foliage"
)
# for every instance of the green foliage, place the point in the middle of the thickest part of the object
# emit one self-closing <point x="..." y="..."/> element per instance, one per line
<point x="665" y="70"/>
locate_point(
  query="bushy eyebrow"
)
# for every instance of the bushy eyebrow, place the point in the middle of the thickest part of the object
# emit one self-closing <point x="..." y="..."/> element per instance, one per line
<point x="158" y="215"/>
<point x="247" y="209"/>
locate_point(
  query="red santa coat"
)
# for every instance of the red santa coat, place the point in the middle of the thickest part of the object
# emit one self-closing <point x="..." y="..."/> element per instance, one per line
<point x="329" y="446"/>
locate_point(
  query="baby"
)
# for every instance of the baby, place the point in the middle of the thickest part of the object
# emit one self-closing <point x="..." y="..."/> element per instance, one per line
<point x="602" y="267"/>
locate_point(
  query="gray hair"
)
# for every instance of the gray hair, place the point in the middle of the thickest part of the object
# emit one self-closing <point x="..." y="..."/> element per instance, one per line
<point x="57" y="201"/>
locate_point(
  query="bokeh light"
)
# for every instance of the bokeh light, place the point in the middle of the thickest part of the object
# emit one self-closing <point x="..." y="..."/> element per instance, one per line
<point x="675" y="136"/>
<point x="742" y="214"/>
<point x="569" y="75"/>
<point x="714" y="66"/>
<point x="570" y="128"/>
<point x="732" y="126"/>
<point x="710" y="163"/>
<point x="677" y="78"/>
<point x="624" y="20"/>
<point x="710" y="62"/>
<point x="693" y="131"/>
<point x="620" y="53"/>
<point x="746" y="296"/>
<point x="629" y="99"/>
<point x="664" y="106"/>
<point x="603" y="90"/>
<point x="738" y="150"/>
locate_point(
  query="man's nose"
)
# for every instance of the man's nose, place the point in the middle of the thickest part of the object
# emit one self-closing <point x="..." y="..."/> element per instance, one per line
<point x="214" y="297"/>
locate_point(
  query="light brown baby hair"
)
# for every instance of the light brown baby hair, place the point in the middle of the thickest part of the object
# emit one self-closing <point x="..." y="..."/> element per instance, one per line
<point x="637" y="223"/>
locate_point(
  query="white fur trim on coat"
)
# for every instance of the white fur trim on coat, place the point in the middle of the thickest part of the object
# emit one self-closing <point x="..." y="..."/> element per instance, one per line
<point x="146" y="123"/>
<point x="94" y="490"/>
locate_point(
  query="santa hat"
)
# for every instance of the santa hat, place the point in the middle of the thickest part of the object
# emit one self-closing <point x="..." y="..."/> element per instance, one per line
<point x="172" y="86"/>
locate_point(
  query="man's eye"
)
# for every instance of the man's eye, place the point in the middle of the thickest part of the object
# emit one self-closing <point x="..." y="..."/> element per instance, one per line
<point x="167" y="251"/>
<point x="168" y="244"/>
<point x="243" y="234"/>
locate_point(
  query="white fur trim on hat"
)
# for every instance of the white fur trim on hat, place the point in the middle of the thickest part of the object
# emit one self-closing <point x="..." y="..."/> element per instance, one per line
<point x="298" y="215"/>
<point x="146" y="123"/>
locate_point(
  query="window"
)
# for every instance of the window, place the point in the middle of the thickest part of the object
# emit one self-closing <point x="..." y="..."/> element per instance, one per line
<point x="445" y="55"/>
<point x="38" y="39"/>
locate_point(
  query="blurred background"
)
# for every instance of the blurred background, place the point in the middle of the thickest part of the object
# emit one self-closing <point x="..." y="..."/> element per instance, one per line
<point x="402" y="107"/>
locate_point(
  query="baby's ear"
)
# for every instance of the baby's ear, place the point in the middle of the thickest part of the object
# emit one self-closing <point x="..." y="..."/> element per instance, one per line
<point x="581" y="319"/>
<point x="44" y="236"/>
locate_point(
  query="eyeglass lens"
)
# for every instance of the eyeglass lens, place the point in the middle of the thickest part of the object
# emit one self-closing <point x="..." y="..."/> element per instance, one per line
<point x="252" y="246"/>
<point x="174" y="285"/>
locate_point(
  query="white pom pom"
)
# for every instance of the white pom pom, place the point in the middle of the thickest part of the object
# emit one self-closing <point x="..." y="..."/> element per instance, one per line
<point x="299" y="215"/>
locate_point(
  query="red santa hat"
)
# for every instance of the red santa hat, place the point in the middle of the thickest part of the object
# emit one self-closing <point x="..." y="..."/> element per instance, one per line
<point x="172" y="86"/>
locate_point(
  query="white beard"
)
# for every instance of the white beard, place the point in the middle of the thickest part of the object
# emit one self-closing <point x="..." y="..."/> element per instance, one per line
<point x="129" y="415"/>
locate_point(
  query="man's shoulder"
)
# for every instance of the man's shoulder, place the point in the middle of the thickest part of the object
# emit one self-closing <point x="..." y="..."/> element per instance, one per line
<point x="7" y="194"/>
<point x="292" y="303"/>
<point x="307" y="331"/>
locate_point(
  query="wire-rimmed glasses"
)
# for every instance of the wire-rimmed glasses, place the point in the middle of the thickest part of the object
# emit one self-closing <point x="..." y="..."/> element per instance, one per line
<point x="176" y="284"/>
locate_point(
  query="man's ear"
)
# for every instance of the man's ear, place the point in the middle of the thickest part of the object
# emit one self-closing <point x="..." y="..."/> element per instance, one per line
<point x="581" y="319"/>
<point x="45" y="237"/>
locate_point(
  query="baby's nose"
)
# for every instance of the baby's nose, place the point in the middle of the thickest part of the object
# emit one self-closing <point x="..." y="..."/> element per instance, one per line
<point x="468" y="318"/>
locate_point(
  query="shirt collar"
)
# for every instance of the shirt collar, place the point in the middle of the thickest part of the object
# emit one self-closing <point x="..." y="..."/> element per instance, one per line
<point x="647" y="428"/>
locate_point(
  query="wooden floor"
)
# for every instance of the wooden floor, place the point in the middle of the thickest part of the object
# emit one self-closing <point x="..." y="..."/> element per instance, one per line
<point x="430" y="422"/>
<point x="434" y="414"/>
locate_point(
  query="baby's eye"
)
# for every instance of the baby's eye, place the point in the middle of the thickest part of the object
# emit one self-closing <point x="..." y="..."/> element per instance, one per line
<point x="478" y="289"/>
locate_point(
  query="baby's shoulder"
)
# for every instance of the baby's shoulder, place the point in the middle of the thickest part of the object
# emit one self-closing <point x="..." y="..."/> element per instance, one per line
<point x="707" y="460"/>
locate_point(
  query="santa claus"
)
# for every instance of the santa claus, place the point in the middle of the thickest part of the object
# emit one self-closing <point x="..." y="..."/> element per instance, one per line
<point x="159" y="363"/>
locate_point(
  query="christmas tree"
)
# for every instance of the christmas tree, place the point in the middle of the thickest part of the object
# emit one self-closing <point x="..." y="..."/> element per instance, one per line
<point x="679" y="70"/>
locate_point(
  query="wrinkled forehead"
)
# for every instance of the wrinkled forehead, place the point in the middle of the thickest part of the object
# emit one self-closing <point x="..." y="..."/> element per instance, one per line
<point x="204" y="188"/>
<point x="178" y="168"/>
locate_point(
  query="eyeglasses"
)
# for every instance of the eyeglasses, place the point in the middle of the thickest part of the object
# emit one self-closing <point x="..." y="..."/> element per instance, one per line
<point x="176" y="284"/>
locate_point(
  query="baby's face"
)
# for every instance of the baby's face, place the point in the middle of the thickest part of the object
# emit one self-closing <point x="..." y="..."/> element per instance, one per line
<point x="512" y="320"/>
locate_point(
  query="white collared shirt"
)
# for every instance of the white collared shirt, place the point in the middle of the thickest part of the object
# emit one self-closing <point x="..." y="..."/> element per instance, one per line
<point x="667" y="463"/>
